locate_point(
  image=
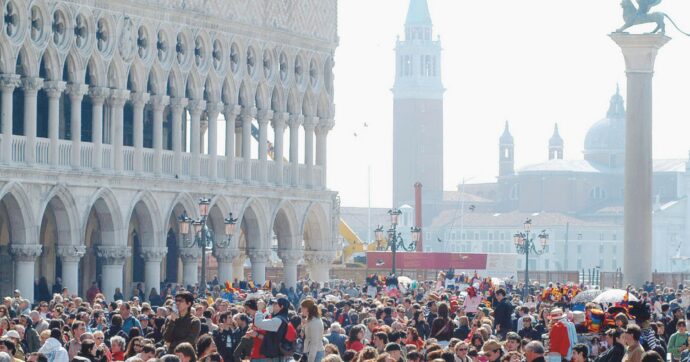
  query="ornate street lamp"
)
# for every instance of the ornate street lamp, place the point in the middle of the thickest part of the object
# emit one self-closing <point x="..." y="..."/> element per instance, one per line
<point x="525" y="244"/>
<point x="392" y="239"/>
<point x="203" y="237"/>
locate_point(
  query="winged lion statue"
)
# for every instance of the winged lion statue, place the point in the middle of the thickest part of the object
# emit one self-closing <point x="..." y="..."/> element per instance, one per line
<point x="641" y="15"/>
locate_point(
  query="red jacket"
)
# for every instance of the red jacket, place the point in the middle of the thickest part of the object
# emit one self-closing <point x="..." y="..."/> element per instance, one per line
<point x="558" y="339"/>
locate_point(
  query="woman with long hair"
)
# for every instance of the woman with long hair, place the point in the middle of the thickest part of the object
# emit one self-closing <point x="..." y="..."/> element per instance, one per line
<point x="355" y="338"/>
<point x="442" y="327"/>
<point x="134" y="347"/>
<point x="312" y="326"/>
<point x="419" y="323"/>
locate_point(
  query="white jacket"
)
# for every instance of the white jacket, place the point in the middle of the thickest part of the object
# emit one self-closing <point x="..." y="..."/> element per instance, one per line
<point x="54" y="351"/>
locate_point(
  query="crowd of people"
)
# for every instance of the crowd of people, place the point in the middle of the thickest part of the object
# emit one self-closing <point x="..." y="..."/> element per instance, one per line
<point x="459" y="319"/>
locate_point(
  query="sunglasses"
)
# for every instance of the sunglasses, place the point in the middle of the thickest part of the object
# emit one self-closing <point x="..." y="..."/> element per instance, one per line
<point x="462" y="349"/>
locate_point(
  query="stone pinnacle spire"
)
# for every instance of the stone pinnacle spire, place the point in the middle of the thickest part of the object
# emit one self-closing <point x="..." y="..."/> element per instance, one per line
<point x="556" y="139"/>
<point x="506" y="138"/>
<point x="418" y="14"/>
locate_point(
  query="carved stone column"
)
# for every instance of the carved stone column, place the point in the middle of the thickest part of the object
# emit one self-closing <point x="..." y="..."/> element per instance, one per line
<point x="225" y="257"/>
<point x="190" y="265"/>
<point x="113" y="260"/>
<point x="31" y="87"/>
<point x="76" y="95"/>
<point x="98" y="96"/>
<point x="640" y="53"/>
<point x="177" y="106"/>
<point x="196" y="107"/>
<point x="152" y="269"/>
<point x="322" y="129"/>
<point x="231" y="113"/>
<point x="70" y="256"/>
<point x="290" y="259"/>
<point x="213" y="110"/>
<point x="259" y="258"/>
<point x="24" y="265"/>
<point x="278" y="123"/>
<point x="54" y="91"/>
<point x="319" y="264"/>
<point x="117" y="100"/>
<point x="295" y="122"/>
<point x="247" y="116"/>
<point x="238" y="267"/>
<point x="139" y="100"/>
<point x="158" y="104"/>
<point x="309" y="127"/>
<point x="8" y="82"/>
<point x="264" y="117"/>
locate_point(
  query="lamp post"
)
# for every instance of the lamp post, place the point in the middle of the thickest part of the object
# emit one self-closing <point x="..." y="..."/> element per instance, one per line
<point x="393" y="239"/>
<point x="525" y="244"/>
<point x="203" y="237"/>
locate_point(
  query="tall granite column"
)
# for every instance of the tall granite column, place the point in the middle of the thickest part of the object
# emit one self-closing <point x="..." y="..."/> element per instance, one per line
<point x="295" y="122"/>
<point x="640" y="53"/>
<point x="98" y="96"/>
<point x="213" y="110"/>
<point x="31" y="87"/>
<point x="70" y="256"/>
<point x="24" y="267"/>
<point x="54" y="91"/>
<point x="76" y="95"/>
<point x="279" y="122"/>
<point x="113" y="260"/>
<point x="196" y="107"/>
<point x="263" y="118"/>
<point x="158" y="103"/>
<point x="247" y="115"/>
<point x="290" y="258"/>
<point x="139" y="101"/>
<point x="231" y="113"/>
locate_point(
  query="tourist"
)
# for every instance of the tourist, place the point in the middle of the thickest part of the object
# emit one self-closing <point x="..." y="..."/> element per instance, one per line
<point x="461" y="349"/>
<point x="442" y="327"/>
<point x="503" y="311"/>
<point x="185" y="352"/>
<point x="558" y="334"/>
<point x="631" y="338"/>
<point x="336" y="337"/>
<point x="678" y="342"/>
<point x="181" y="326"/>
<point x="580" y="353"/>
<point x="356" y="338"/>
<point x="616" y="350"/>
<point x="534" y="352"/>
<point x="492" y="350"/>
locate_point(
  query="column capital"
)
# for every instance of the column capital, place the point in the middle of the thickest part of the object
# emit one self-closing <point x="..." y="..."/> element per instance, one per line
<point x="8" y="82"/>
<point x="159" y="102"/>
<point x="76" y="91"/>
<point x="264" y="116"/>
<point x="154" y="253"/>
<point x="310" y="122"/>
<point x="248" y="112"/>
<point x="322" y="257"/>
<point x="54" y="88"/>
<point x="280" y="119"/>
<point x="259" y="255"/>
<point x="113" y="255"/>
<point x="290" y="256"/>
<point x="295" y="120"/>
<point x="196" y="106"/>
<point x="231" y="111"/>
<point x="226" y="254"/>
<point x="71" y="252"/>
<point x="189" y="254"/>
<point x="98" y="94"/>
<point x="325" y="125"/>
<point x="26" y="252"/>
<point x="139" y="99"/>
<point x="639" y="50"/>
<point x="214" y="108"/>
<point x="32" y="84"/>
<point x="178" y="103"/>
<point x="118" y="97"/>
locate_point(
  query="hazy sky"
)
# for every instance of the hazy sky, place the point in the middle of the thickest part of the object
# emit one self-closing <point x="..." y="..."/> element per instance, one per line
<point x="532" y="63"/>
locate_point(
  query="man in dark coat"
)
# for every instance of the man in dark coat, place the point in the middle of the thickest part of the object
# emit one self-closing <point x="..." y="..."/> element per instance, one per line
<point x="616" y="351"/>
<point x="503" y="311"/>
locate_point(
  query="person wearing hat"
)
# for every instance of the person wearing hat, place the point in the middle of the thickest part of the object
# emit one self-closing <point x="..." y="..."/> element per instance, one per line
<point x="274" y="329"/>
<point x="492" y="350"/>
<point x="559" y="341"/>
<point x="14" y="336"/>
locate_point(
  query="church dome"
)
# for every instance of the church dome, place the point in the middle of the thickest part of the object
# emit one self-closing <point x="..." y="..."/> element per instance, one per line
<point x="608" y="133"/>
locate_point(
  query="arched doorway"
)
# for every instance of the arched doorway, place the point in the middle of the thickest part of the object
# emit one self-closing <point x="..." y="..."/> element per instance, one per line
<point x="140" y="233"/>
<point x="12" y="230"/>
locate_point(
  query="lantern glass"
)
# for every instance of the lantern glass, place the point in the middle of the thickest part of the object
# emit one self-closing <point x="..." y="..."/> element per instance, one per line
<point x="528" y="225"/>
<point x="544" y="238"/>
<point x="197" y="226"/>
<point x="230" y="229"/>
<point x="516" y="239"/>
<point x="203" y="207"/>
<point x="378" y="234"/>
<point x="184" y="225"/>
<point x="415" y="235"/>
<point x="394" y="218"/>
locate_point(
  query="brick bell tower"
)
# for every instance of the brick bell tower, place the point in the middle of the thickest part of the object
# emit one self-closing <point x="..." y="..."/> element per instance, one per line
<point x="418" y="113"/>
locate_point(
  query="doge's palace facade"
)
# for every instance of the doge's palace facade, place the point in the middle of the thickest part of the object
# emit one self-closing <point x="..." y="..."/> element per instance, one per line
<point x="116" y="116"/>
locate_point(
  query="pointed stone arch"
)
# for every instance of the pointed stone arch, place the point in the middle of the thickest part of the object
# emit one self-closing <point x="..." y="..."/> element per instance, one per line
<point x="229" y="91"/>
<point x="95" y="72"/>
<point x="137" y="80"/>
<point x="212" y="90"/>
<point x="73" y="69"/>
<point x="117" y="74"/>
<point x="308" y="105"/>
<point x="145" y="208"/>
<point x="324" y="108"/>
<point x="194" y="88"/>
<point x="262" y="98"/>
<point x="15" y="201"/>
<point x="294" y="102"/>
<point x="315" y="228"/>
<point x="156" y="80"/>
<point x="245" y="98"/>
<point x="254" y="224"/>
<point x="285" y="225"/>
<point x="105" y="206"/>
<point x="278" y="100"/>
<point x="64" y="206"/>
<point x="50" y="68"/>
<point x="28" y="59"/>
<point x="175" y="83"/>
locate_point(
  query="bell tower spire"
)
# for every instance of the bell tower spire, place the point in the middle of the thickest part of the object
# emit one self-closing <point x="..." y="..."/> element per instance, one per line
<point x="556" y="145"/>
<point x="506" y="157"/>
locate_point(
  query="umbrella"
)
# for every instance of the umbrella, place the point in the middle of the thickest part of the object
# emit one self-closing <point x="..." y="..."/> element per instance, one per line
<point x="613" y="296"/>
<point x="586" y="296"/>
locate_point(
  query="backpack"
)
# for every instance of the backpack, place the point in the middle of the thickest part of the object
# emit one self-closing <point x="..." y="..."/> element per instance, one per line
<point x="288" y="342"/>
